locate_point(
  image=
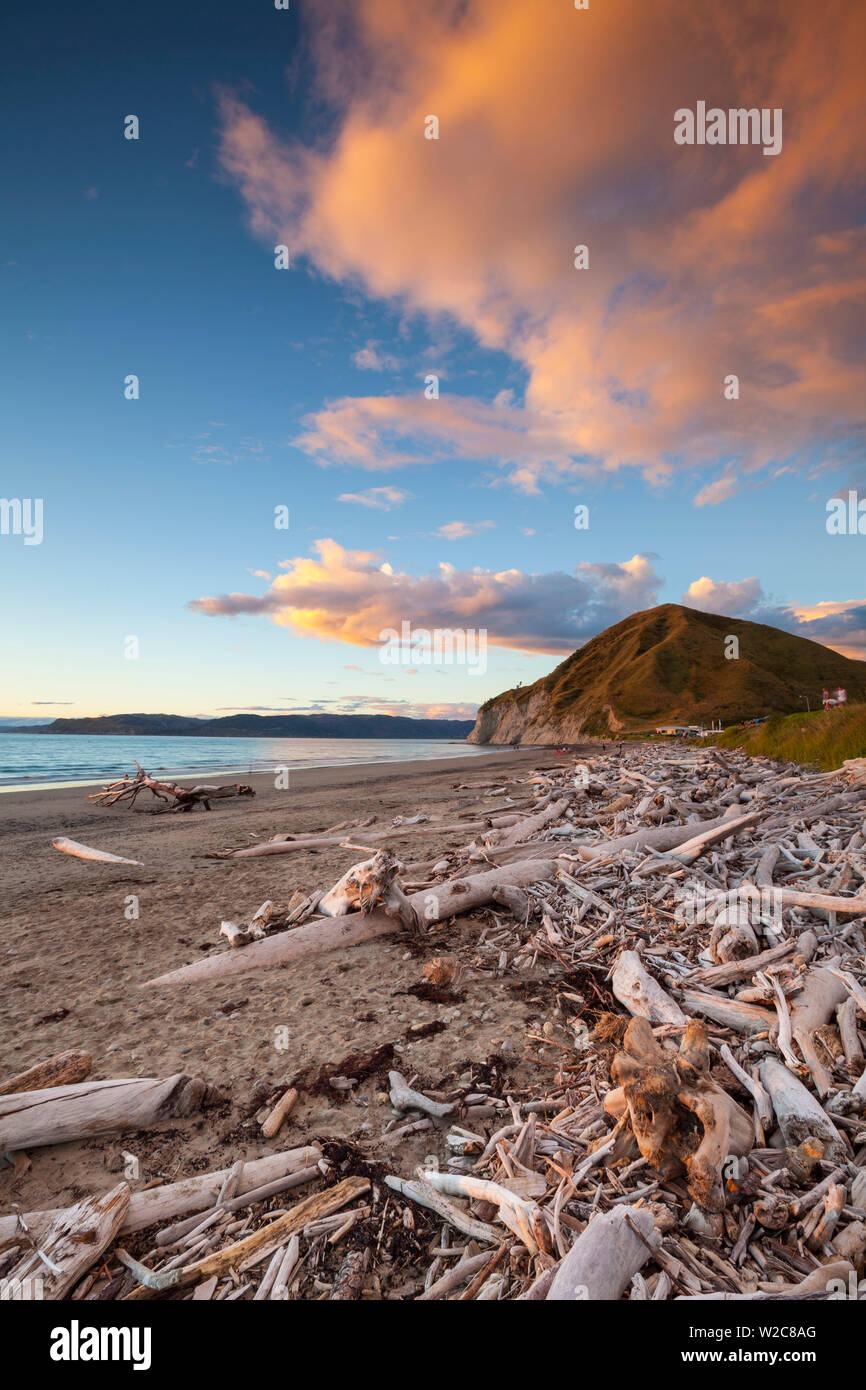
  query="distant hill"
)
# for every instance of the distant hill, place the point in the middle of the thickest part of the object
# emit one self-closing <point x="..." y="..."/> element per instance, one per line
<point x="668" y="665"/>
<point x="259" y="726"/>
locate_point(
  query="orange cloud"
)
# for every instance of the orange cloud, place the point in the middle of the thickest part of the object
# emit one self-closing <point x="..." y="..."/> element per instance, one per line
<point x="556" y="129"/>
<point x="353" y="596"/>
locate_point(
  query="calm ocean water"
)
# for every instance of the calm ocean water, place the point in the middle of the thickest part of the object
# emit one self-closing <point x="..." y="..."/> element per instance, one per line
<point x="29" y="760"/>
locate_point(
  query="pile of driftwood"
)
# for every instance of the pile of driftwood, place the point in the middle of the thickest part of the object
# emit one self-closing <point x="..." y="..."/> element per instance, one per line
<point x="702" y="1131"/>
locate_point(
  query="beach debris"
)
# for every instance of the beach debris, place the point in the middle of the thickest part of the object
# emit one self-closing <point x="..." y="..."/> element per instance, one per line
<point x="404" y="1098"/>
<point x="368" y="885"/>
<point x="128" y="788"/>
<point x="72" y="1241"/>
<point x="690" y="1122"/>
<point x="62" y="1070"/>
<point x="678" y="1113"/>
<point x="446" y="972"/>
<point x="57" y="1114"/>
<point x="78" y="851"/>
<point x="272" y="1124"/>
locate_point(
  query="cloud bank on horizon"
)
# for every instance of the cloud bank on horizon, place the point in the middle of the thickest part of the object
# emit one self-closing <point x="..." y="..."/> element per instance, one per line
<point x="556" y="129"/>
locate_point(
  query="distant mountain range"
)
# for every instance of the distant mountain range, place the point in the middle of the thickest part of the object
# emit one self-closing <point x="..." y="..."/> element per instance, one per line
<point x="258" y="726"/>
<point x="669" y="665"/>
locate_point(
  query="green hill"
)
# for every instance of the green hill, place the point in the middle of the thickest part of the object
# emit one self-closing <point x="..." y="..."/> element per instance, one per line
<point x="669" y="665"/>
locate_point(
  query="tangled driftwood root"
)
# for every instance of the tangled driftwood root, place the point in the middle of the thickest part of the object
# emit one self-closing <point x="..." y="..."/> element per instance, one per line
<point x="184" y="798"/>
<point x="368" y="885"/>
<point x="679" y="1115"/>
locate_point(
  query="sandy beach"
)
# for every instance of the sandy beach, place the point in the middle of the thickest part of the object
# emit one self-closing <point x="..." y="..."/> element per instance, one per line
<point x="74" y="968"/>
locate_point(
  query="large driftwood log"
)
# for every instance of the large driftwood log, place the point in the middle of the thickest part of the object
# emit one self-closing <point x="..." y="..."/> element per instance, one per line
<point x="62" y="1070"/>
<point x="176" y="1199"/>
<point x="665" y="1096"/>
<point x="662" y="837"/>
<point x="605" y="1257"/>
<point x="819" y="902"/>
<point x="642" y="995"/>
<point x="445" y="900"/>
<point x="797" y="1111"/>
<point x="32" y="1119"/>
<point x="72" y="1240"/>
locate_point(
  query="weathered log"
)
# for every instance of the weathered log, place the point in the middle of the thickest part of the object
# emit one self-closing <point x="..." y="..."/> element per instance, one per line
<point x="101" y="856"/>
<point x="642" y="995"/>
<point x="62" y="1070"/>
<point x="32" y="1119"/>
<point x="446" y="900"/>
<point x="663" y="838"/>
<point x="605" y="1257"/>
<point x="185" y="798"/>
<point x="797" y="1111"/>
<point x="743" y="1018"/>
<point x="72" y="1239"/>
<point x="531" y="825"/>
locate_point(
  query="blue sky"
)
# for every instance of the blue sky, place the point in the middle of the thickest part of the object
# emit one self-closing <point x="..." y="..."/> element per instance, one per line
<point x="156" y="257"/>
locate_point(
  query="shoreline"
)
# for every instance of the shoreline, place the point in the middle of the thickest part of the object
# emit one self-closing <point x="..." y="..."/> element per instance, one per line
<point x="203" y="774"/>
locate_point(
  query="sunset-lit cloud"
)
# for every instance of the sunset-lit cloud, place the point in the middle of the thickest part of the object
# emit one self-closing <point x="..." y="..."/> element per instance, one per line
<point x="841" y="625"/>
<point x="556" y="129"/>
<point x="352" y="596"/>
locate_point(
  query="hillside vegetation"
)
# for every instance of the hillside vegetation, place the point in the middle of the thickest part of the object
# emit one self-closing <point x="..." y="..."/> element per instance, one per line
<point x="822" y="739"/>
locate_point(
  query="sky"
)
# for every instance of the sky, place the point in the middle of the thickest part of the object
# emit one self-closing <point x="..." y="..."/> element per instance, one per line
<point x="433" y="416"/>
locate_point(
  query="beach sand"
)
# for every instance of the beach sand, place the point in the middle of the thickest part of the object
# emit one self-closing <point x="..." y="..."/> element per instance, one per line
<point x="74" y="969"/>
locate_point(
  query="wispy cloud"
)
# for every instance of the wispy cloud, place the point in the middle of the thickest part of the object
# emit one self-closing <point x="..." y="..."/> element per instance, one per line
<point x="459" y="530"/>
<point x="371" y="359"/>
<point x="382" y="499"/>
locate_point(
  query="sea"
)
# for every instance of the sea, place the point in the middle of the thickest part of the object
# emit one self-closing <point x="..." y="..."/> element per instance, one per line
<point x="36" y="761"/>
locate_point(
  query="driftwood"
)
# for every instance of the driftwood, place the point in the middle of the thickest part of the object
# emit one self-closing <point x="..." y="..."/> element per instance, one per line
<point x="62" y="1070"/>
<point x="679" y="1115"/>
<point x="457" y="896"/>
<point x="72" y="1240"/>
<point x="184" y="798"/>
<point x="655" y="898"/>
<point x="371" y="884"/>
<point x="642" y="995"/>
<point x="604" y="1259"/>
<point x="798" y="1113"/>
<point x="78" y="851"/>
<point x="261" y="1243"/>
<point x="32" y="1119"/>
